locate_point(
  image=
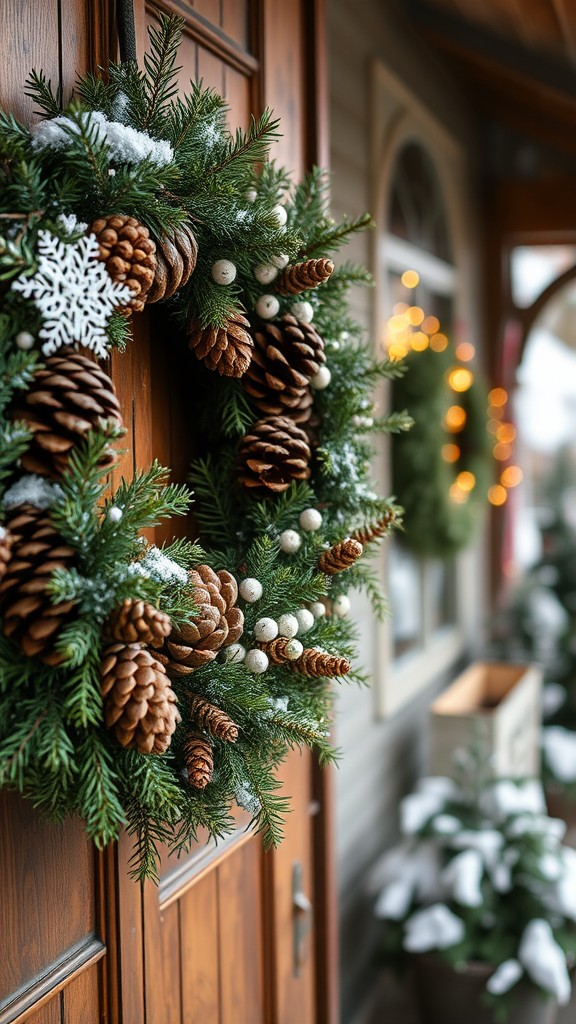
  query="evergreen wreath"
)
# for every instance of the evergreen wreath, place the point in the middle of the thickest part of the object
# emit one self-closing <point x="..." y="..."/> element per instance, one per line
<point x="127" y="697"/>
<point x="448" y="439"/>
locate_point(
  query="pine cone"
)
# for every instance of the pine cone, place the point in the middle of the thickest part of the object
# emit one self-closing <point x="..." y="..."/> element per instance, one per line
<point x="365" y="534"/>
<point x="175" y="262"/>
<point x="300" y="277"/>
<point x="29" y="617"/>
<point x="6" y="542"/>
<point x="212" y="719"/>
<point x="68" y="397"/>
<point x="137" y="622"/>
<point x="199" y="760"/>
<point x="319" y="663"/>
<point x="129" y="254"/>
<point x="227" y="350"/>
<point x="138" y="700"/>
<point x="218" y="623"/>
<point x="286" y="355"/>
<point x="276" y="650"/>
<point x="275" y="452"/>
<point x="339" y="557"/>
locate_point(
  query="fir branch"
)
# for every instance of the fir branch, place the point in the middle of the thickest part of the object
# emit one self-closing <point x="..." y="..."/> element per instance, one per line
<point x="333" y="237"/>
<point x="39" y="88"/>
<point x="159" y="63"/>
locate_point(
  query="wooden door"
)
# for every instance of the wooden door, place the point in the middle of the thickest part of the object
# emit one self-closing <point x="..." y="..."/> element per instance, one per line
<point x="214" y="942"/>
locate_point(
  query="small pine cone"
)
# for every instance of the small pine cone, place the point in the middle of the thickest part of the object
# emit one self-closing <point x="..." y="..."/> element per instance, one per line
<point x="129" y="254"/>
<point x="286" y="355"/>
<point x="218" y="623"/>
<point x="68" y="397"/>
<point x="175" y="263"/>
<point x="137" y="622"/>
<point x="365" y="534"/>
<point x="138" y="700"/>
<point x="313" y="662"/>
<point x="339" y="557"/>
<point x="276" y="650"/>
<point x="212" y="719"/>
<point x="199" y="760"/>
<point x="275" y="452"/>
<point x="28" y="615"/>
<point x="6" y="542"/>
<point x="227" y="350"/>
<point x="300" y="277"/>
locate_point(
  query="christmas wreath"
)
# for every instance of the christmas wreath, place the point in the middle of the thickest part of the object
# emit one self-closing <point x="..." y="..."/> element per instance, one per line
<point x="146" y="687"/>
<point x="440" y="468"/>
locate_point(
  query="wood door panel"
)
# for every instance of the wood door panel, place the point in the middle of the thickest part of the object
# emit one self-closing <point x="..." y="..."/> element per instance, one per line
<point x="50" y="1013"/>
<point x="80" y="999"/>
<point x="241" y="945"/>
<point x="162" y="958"/>
<point x="29" y="37"/>
<point x="199" y="952"/>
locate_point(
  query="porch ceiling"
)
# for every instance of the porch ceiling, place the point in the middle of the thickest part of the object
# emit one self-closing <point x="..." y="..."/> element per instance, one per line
<point x="515" y="60"/>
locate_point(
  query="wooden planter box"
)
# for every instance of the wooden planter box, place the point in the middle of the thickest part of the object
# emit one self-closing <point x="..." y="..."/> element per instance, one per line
<point x="496" y="705"/>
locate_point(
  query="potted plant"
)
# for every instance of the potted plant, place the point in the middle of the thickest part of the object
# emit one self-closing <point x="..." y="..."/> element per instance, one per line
<point x="481" y="898"/>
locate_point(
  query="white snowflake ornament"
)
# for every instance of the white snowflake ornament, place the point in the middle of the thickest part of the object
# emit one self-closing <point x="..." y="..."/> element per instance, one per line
<point x="74" y="294"/>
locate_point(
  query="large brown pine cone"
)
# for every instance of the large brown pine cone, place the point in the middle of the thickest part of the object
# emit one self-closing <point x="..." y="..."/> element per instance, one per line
<point x="275" y="452"/>
<point x="138" y="700"/>
<point x="28" y="615"/>
<point x="175" y="262"/>
<point x="68" y="397"/>
<point x="137" y="622"/>
<point x="286" y="355"/>
<point x="218" y="623"/>
<point x="300" y="277"/>
<point x="129" y="254"/>
<point x="227" y="350"/>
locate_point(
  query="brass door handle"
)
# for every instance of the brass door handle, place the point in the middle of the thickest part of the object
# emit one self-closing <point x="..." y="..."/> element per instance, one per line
<point x="302" y="918"/>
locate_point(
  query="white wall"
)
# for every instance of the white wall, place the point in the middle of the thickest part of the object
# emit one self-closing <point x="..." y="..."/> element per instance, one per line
<point x="381" y="757"/>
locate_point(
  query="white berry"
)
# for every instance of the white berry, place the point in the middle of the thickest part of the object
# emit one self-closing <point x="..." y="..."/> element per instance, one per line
<point x="305" y="620"/>
<point x="290" y="541"/>
<point x="235" y="653"/>
<point x="250" y="589"/>
<point x="265" y="629"/>
<point x="256" y="661"/>
<point x="287" y="625"/>
<point x="318" y="609"/>
<point x="310" y="520"/>
<point x="223" y="272"/>
<point x="250" y="195"/>
<point x="280" y="261"/>
<point x="294" y="649"/>
<point x="303" y="311"/>
<point x="115" y="514"/>
<point x="280" y="214"/>
<point x="265" y="272"/>
<point x="321" y="379"/>
<point x="24" y="340"/>
<point x="267" y="306"/>
<point x="341" y="605"/>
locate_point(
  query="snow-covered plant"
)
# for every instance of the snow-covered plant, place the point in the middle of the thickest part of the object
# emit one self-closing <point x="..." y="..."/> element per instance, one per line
<point x="481" y="875"/>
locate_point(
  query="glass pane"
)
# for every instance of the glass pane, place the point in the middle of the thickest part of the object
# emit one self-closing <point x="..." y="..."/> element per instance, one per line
<point x="416" y="211"/>
<point x="534" y="267"/>
<point x="405" y="593"/>
<point x="442" y="594"/>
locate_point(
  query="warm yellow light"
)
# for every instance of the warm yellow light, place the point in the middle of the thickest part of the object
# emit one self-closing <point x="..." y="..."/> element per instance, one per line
<point x="455" y="419"/>
<point x="397" y="351"/>
<point x="495" y="412"/>
<point x="438" y="342"/>
<point x="450" y="452"/>
<point x="493" y="427"/>
<point x="460" y="379"/>
<point x="431" y="324"/>
<point x="497" y="494"/>
<point x="511" y="476"/>
<point x="498" y="396"/>
<point x="410" y="278"/>
<point x="397" y="323"/>
<point x="502" y="452"/>
<point x="419" y="341"/>
<point x="466" y="481"/>
<point x="458" y="494"/>
<point x="465" y="351"/>
<point x="400" y="307"/>
<point x="415" y="315"/>
<point x="506" y="433"/>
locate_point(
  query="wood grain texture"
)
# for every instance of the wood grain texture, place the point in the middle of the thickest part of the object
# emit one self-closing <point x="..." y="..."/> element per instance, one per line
<point x="241" y="937"/>
<point x="80" y="999"/>
<point x="284" y="79"/>
<point x="163" y="978"/>
<point x="50" y="1013"/>
<point x="28" y="38"/>
<point x="199" y="953"/>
